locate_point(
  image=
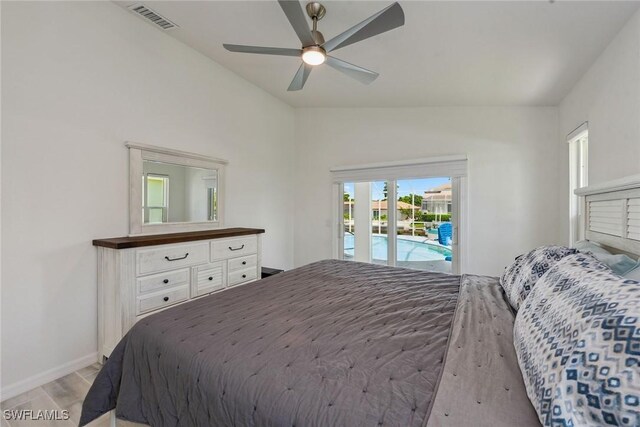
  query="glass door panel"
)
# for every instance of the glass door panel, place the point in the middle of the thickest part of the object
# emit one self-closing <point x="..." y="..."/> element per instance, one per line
<point x="379" y="222"/>
<point x="348" y="221"/>
<point x="424" y="224"/>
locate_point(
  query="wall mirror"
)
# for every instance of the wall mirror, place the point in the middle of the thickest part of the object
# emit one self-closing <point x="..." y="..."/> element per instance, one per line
<point x="173" y="191"/>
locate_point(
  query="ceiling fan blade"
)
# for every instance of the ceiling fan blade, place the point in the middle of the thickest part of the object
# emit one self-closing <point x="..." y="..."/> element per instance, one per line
<point x="298" y="20"/>
<point x="361" y="74"/>
<point x="263" y="50"/>
<point x="301" y="77"/>
<point x="385" y="20"/>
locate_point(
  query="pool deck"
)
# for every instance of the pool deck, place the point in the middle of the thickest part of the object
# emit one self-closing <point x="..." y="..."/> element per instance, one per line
<point x="439" y="266"/>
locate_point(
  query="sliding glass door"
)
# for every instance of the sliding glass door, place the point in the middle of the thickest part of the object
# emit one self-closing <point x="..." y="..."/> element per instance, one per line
<point x="406" y="223"/>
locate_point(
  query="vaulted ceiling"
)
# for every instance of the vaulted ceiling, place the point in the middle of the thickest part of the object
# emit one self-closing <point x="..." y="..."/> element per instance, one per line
<point x="524" y="53"/>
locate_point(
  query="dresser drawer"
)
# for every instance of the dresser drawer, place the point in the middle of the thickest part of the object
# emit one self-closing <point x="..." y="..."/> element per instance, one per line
<point x="243" y="263"/>
<point x="169" y="279"/>
<point x="232" y="248"/>
<point x="237" y="277"/>
<point x="171" y="257"/>
<point x="210" y="277"/>
<point x="162" y="299"/>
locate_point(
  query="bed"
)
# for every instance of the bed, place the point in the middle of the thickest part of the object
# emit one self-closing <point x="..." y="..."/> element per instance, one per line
<point x="338" y="343"/>
<point x="330" y="343"/>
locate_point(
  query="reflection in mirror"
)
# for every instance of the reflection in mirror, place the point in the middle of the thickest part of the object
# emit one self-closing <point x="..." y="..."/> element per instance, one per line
<point x="176" y="193"/>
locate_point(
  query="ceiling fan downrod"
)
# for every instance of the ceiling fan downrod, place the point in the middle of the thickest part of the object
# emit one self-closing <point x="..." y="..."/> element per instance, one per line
<point x="316" y="12"/>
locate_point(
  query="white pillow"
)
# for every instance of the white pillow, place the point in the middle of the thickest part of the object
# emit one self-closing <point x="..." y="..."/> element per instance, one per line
<point x="593" y="247"/>
<point x="633" y="274"/>
<point x="620" y="264"/>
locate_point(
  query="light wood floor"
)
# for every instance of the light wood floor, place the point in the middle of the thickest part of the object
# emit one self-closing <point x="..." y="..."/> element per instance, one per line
<point x="66" y="393"/>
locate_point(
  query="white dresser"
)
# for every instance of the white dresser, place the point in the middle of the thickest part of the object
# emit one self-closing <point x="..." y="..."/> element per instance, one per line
<point x="141" y="275"/>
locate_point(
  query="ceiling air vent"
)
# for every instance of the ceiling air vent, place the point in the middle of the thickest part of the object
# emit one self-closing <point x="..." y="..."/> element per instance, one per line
<point x="153" y="17"/>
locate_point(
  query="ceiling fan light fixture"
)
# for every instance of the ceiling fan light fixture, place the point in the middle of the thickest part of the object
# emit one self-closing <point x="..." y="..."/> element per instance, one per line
<point x="314" y="55"/>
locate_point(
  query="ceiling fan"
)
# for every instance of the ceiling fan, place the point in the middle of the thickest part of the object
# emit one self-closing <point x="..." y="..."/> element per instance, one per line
<point x="315" y="49"/>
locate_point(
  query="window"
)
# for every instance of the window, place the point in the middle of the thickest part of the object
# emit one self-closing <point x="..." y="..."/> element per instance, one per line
<point x="155" y="198"/>
<point x="578" y="169"/>
<point x="406" y="215"/>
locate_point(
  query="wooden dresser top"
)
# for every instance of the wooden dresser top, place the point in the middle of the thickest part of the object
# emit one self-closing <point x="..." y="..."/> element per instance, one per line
<point x="166" y="239"/>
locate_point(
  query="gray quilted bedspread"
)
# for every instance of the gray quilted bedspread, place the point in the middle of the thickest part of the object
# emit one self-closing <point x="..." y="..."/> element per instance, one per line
<point x="332" y="343"/>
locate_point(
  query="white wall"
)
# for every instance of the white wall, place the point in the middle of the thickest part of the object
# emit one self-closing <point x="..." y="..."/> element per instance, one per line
<point x="512" y="182"/>
<point x="78" y="80"/>
<point x="608" y="97"/>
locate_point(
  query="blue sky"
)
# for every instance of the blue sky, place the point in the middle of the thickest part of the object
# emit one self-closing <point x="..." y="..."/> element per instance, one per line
<point x="405" y="187"/>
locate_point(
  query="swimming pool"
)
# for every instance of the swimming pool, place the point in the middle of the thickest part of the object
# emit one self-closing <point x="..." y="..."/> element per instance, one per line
<point x="408" y="250"/>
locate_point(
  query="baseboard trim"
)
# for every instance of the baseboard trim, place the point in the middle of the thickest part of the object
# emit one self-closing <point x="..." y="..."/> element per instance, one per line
<point x="49" y="375"/>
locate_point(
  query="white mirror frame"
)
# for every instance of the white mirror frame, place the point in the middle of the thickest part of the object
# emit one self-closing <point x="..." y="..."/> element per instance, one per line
<point x="138" y="153"/>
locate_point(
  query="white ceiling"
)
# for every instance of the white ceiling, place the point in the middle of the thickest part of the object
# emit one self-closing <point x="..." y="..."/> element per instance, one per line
<point x="447" y="53"/>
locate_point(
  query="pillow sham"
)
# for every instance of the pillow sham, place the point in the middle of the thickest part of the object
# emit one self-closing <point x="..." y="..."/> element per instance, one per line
<point x="620" y="263"/>
<point x="519" y="278"/>
<point x="577" y="338"/>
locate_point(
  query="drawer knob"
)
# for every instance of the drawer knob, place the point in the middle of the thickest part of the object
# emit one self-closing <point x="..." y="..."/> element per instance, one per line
<point x="165" y="281"/>
<point x="166" y="298"/>
<point x="177" y="259"/>
<point x="244" y="262"/>
<point x="210" y="278"/>
<point x="244" y="276"/>
<point x="236" y="249"/>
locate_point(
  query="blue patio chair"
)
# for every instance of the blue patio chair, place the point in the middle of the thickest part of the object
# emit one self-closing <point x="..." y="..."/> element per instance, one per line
<point x="445" y="231"/>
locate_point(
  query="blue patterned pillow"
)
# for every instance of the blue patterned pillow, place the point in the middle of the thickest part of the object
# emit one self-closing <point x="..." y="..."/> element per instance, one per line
<point x="577" y="337"/>
<point x="519" y="278"/>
